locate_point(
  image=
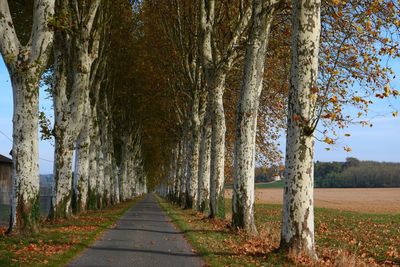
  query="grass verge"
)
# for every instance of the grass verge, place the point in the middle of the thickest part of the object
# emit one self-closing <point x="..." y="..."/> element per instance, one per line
<point x="276" y="184"/>
<point x="343" y="238"/>
<point x="59" y="242"/>
<point x="272" y="185"/>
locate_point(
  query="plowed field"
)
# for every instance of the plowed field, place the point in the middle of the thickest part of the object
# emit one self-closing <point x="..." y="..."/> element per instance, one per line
<point x="374" y="200"/>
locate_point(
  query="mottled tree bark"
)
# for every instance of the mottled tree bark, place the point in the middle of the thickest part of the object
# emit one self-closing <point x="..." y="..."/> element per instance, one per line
<point x="116" y="193"/>
<point x="81" y="173"/>
<point x="177" y="183"/>
<point x="108" y="188"/>
<point x="100" y="175"/>
<point x="25" y="179"/>
<point x="64" y="132"/>
<point x="205" y="157"/>
<point x="25" y="64"/>
<point x="217" y="156"/>
<point x="108" y="156"/>
<point x="215" y="70"/>
<point x="130" y="175"/>
<point x="122" y="181"/>
<point x="74" y="57"/>
<point x="69" y="120"/>
<point x="298" y="209"/>
<point x="246" y="117"/>
<point x="194" y="147"/>
<point x="125" y="167"/>
<point x="181" y="173"/>
<point x="93" y="160"/>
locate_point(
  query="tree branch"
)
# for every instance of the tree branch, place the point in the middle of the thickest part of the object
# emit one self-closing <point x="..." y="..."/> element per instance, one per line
<point x="89" y="20"/>
<point x="41" y="36"/>
<point x="9" y="43"/>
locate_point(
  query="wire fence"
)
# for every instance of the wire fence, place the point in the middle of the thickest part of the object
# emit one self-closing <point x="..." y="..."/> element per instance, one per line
<point x="5" y="201"/>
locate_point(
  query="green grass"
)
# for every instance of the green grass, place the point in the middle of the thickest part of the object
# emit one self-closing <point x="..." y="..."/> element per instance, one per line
<point x="350" y="237"/>
<point x="276" y="184"/>
<point x="58" y="243"/>
<point x="212" y="239"/>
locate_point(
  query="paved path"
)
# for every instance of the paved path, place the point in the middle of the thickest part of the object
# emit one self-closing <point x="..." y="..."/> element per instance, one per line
<point x="144" y="236"/>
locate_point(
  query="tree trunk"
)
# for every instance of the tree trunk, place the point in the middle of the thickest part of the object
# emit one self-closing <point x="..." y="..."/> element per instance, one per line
<point x="73" y="59"/>
<point x="100" y="179"/>
<point x="122" y="181"/>
<point x="69" y="121"/>
<point x="177" y="183"/>
<point x="144" y="190"/>
<point x="26" y="65"/>
<point x="92" y="197"/>
<point x="181" y="173"/>
<point x="81" y="172"/>
<point x="63" y="153"/>
<point x="108" y="164"/>
<point x="107" y="179"/>
<point x="217" y="205"/>
<point x="204" y="164"/>
<point x="124" y="169"/>
<point x="64" y="131"/>
<point x="298" y="209"/>
<point x="100" y="175"/>
<point x="116" y="194"/>
<point x="172" y="177"/>
<point x="194" y="147"/>
<point x="130" y="176"/>
<point x="25" y="179"/>
<point x="246" y="118"/>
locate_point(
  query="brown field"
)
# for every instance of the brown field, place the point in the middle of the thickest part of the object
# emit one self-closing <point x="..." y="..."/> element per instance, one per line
<point x="374" y="200"/>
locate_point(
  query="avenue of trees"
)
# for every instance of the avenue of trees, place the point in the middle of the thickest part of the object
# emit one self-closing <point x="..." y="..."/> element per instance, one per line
<point x="241" y="71"/>
<point x="68" y="47"/>
<point x="179" y="95"/>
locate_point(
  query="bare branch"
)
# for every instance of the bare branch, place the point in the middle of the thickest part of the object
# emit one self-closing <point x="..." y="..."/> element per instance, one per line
<point x="41" y="36"/>
<point x="9" y="43"/>
<point x="89" y="20"/>
<point x="230" y="52"/>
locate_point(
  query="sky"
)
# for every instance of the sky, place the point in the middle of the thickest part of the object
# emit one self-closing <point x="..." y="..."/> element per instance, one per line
<point x="380" y="142"/>
<point x="46" y="148"/>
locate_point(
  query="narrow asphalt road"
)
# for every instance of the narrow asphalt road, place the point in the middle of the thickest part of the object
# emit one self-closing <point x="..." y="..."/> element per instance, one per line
<point x="144" y="236"/>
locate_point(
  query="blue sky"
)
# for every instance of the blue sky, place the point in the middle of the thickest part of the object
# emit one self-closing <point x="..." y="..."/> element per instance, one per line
<point x="380" y="142"/>
<point x="6" y="113"/>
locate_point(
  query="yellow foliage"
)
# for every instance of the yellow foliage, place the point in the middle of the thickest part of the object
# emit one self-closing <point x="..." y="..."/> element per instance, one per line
<point x="328" y="140"/>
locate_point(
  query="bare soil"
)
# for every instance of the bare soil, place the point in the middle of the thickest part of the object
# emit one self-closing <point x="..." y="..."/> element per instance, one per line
<point x="371" y="200"/>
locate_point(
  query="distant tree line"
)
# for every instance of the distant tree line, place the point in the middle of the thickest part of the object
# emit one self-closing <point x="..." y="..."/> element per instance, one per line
<point x="268" y="174"/>
<point x="356" y="173"/>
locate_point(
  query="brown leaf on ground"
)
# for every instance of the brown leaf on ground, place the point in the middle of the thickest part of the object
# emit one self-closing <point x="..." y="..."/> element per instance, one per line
<point x="44" y="249"/>
<point x="73" y="228"/>
<point x="92" y="219"/>
<point x="2" y="231"/>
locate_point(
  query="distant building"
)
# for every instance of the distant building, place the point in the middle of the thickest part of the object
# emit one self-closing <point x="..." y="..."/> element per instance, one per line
<point x="46" y="190"/>
<point x="276" y="177"/>
<point x="6" y="166"/>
